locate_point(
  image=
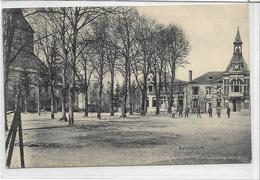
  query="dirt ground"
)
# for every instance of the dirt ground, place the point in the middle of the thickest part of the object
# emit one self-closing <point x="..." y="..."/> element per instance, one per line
<point x="136" y="140"/>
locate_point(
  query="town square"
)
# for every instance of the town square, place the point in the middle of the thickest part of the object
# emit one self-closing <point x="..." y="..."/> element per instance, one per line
<point x="119" y="86"/>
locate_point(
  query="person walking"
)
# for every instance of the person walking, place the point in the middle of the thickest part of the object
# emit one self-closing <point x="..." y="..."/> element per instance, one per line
<point x="180" y="111"/>
<point x="173" y="111"/>
<point x="198" y="112"/>
<point x="219" y="112"/>
<point x="187" y="111"/>
<point x="210" y="111"/>
<point x="228" y="112"/>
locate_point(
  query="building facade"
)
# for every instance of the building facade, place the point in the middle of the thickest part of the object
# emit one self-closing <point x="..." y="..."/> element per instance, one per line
<point x="179" y="96"/>
<point x="229" y="88"/>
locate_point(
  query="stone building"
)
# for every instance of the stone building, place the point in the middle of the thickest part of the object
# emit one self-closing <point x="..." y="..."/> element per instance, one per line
<point x="229" y="88"/>
<point x="223" y="88"/>
<point x="179" y="96"/>
<point x="26" y="67"/>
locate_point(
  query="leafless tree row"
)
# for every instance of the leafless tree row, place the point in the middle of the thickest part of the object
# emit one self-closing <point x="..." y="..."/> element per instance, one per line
<point x="82" y="44"/>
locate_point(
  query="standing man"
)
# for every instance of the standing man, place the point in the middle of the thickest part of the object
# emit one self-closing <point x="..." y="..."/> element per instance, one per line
<point x="187" y="111"/>
<point x="198" y="112"/>
<point x="210" y="111"/>
<point x="219" y="112"/>
<point x="228" y="112"/>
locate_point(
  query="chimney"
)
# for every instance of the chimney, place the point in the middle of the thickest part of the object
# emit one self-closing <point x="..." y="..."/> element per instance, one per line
<point x="190" y="75"/>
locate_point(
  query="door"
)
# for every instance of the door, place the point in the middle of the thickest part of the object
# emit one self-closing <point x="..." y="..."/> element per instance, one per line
<point x="180" y="103"/>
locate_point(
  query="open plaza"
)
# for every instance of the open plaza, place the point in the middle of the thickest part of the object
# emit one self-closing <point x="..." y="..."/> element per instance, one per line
<point x="135" y="140"/>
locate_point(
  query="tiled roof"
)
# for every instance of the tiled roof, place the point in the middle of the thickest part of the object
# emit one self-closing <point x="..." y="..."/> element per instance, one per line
<point x="28" y="61"/>
<point x="209" y="77"/>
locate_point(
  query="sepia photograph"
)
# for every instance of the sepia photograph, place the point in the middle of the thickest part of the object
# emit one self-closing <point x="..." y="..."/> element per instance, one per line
<point x="127" y="86"/>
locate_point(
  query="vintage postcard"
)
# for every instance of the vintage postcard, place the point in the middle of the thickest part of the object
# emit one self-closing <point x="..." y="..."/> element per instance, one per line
<point x="127" y="85"/>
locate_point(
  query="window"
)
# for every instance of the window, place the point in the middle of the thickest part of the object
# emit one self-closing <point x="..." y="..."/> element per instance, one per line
<point x="150" y="88"/>
<point x="226" y="81"/>
<point x="163" y="100"/>
<point x="219" y="89"/>
<point x="181" y="88"/>
<point x="195" y="90"/>
<point x="210" y="77"/>
<point x="208" y="90"/>
<point x="236" y="85"/>
<point x="195" y="103"/>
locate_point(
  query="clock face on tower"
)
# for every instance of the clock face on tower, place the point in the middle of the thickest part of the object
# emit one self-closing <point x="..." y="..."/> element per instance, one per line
<point x="236" y="67"/>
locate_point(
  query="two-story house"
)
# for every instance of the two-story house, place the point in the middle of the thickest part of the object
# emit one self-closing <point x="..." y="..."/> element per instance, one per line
<point x="223" y="88"/>
<point x="179" y="96"/>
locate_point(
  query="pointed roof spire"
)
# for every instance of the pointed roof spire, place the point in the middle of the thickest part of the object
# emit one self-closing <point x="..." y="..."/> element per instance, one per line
<point x="238" y="38"/>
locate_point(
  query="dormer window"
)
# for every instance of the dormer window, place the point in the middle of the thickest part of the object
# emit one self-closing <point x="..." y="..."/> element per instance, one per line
<point x="210" y="77"/>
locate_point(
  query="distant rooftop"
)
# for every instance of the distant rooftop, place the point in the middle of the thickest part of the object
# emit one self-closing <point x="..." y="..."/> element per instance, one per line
<point x="209" y="77"/>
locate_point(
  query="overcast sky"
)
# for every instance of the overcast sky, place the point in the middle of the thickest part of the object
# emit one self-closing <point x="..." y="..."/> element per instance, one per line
<point x="211" y="30"/>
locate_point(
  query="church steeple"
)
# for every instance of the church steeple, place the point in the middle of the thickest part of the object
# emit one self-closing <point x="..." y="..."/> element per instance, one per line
<point x="237" y="62"/>
<point x="238" y="44"/>
<point x="238" y="38"/>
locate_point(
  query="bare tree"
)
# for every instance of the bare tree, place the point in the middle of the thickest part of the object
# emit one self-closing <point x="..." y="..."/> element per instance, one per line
<point x="141" y="66"/>
<point x="48" y="47"/>
<point x="84" y="74"/>
<point x="99" y="61"/>
<point x="79" y="19"/>
<point x="125" y="33"/>
<point x="177" y="50"/>
<point x="112" y="56"/>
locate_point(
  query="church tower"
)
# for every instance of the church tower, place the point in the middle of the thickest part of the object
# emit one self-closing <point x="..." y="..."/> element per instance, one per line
<point x="236" y="82"/>
<point x="237" y="63"/>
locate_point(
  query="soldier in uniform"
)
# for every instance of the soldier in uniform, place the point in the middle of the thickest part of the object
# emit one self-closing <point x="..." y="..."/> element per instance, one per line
<point x="228" y="112"/>
<point x="187" y="111"/>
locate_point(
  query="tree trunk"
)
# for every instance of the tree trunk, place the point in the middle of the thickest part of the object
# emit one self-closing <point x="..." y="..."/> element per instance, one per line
<point x="158" y="95"/>
<point x="86" y="102"/>
<point x="143" y="104"/>
<point x="100" y="100"/>
<point x="112" y="94"/>
<point x="124" y="99"/>
<point x="170" y="96"/>
<point x="144" y="100"/>
<point x="71" y="100"/>
<point x="130" y="95"/>
<point x="63" y="97"/>
<point x="71" y="106"/>
<point x="52" y="102"/>
<point x="38" y="99"/>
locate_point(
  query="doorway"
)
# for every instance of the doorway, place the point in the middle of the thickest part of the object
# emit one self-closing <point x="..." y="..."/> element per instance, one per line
<point x="180" y="103"/>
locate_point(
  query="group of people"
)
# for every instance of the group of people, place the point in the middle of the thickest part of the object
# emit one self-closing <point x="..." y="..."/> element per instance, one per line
<point x="179" y="110"/>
